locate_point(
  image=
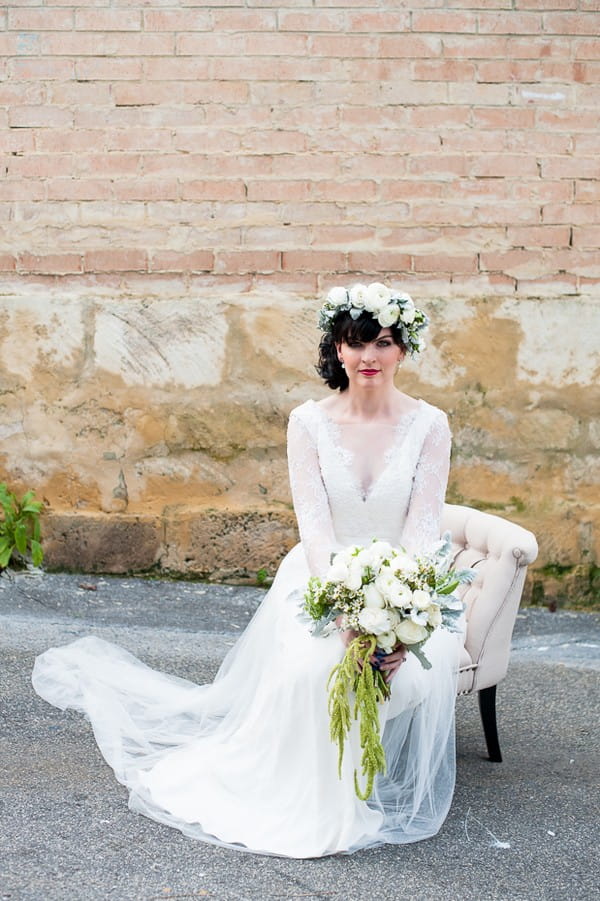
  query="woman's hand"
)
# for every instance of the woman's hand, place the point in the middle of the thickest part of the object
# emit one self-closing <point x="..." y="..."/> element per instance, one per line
<point x="389" y="664"/>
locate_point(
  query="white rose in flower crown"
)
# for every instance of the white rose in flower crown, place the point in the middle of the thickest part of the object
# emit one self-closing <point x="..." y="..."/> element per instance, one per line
<point x="375" y="621"/>
<point x="358" y="295"/>
<point x="373" y="597"/>
<point x="407" y="314"/>
<point x="388" y="316"/>
<point x="377" y="297"/>
<point x="435" y="616"/>
<point x="421" y="599"/>
<point x="337" y="297"/>
<point x="410" y="633"/>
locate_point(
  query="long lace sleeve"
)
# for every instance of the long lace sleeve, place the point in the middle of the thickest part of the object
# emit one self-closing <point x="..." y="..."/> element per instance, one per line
<point x="311" y="504"/>
<point x="423" y="521"/>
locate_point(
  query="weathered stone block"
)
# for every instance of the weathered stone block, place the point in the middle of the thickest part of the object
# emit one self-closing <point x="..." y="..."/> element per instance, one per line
<point x="105" y="544"/>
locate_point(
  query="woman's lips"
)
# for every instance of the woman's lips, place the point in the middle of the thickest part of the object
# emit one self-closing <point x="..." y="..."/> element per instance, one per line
<point x="369" y="371"/>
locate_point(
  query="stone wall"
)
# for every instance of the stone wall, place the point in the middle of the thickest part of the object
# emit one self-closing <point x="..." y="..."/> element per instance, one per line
<point x="180" y="182"/>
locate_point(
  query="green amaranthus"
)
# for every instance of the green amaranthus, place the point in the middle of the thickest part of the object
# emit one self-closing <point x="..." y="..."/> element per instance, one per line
<point x="355" y="673"/>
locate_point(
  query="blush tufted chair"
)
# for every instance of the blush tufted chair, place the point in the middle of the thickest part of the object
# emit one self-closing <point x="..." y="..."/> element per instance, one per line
<point x="499" y="551"/>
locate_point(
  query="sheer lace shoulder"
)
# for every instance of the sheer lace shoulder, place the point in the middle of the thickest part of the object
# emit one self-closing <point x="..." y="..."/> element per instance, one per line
<point x="311" y="503"/>
<point x="422" y="525"/>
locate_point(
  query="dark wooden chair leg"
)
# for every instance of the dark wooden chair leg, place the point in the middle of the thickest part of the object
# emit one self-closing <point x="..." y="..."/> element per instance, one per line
<point x="487" y="709"/>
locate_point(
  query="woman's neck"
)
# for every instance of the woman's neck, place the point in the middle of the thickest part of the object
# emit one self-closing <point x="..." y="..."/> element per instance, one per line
<point x="376" y="406"/>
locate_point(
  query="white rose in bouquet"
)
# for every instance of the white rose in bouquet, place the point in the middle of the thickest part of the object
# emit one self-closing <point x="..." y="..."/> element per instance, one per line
<point x="338" y="571"/>
<point x="353" y="580"/>
<point x="387" y="641"/>
<point x="410" y="633"/>
<point x="373" y="597"/>
<point x="421" y="599"/>
<point x="374" y="621"/>
<point x="403" y="564"/>
<point x="377" y="297"/>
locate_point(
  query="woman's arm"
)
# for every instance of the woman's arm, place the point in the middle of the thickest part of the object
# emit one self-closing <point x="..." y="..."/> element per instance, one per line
<point x="311" y="503"/>
<point x="423" y="521"/>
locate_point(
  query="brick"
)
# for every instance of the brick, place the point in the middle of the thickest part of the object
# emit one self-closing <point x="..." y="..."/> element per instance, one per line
<point x="207" y="140"/>
<point x="356" y="191"/>
<point x="109" y="164"/>
<point x="146" y="189"/>
<point x="459" y="22"/>
<point x="214" y="189"/>
<point x="571" y="167"/>
<point x="539" y="142"/>
<point x="79" y="189"/>
<point x="111" y="69"/>
<point x="40" y="117"/>
<point x="177" y="20"/>
<point x="95" y="43"/>
<point x="443" y="70"/>
<point x="133" y="93"/>
<point x="379" y="261"/>
<point x="435" y="165"/>
<point x="313" y="261"/>
<point x="171" y="261"/>
<point x="504" y="164"/>
<point x="108" y="19"/>
<point x="317" y="20"/>
<point x="468" y="47"/>
<point x="342" y="235"/>
<point x="570" y="23"/>
<point x="288" y="190"/>
<point x="245" y="20"/>
<point x="40" y="19"/>
<point x="538" y="191"/>
<point x="115" y="261"/>
<point x="274" y="141"/>
<point x="548" y="48"/>
<point x="508" y="118"/>
<point x="539" y="236"/>
<point x="442" y="262"/>
<point x="21" y="190"/>
<point x="41" y="69"/>
<point x="411" y="189"/>
<point x="587" y="191"/>
<point x="204" y="92"/>
<point x="210" y="44"/>
<point x="479" y="94"/>
<point x="176" y="69"/>
<point x="408" y="46"/>
<point x="8" y="262"/>
<point x="567" y="120"/>
<point x="50" y="264"/>
<point x="39" y="165"/>
<point x="545" y="5"/>
<point x="514" y="23"/>
<point x="344" y="46"/>
<point x="586" y="236"/>
<point x="518" y="263"/>
<point x="79" y="94"/>
<point x="571" y="214"/>
<point x="244" y="261"/>
<point x="586" y="49"/>
<point x="16" y="141"/>
<point x="137" y="139"/>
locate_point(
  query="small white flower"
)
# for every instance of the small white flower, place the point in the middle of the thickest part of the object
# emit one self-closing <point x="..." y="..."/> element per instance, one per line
<point x="388" y="316"/>
<point x="374" y="621"/>
<point x="373" y="597"/>
<point x="337" y="297"/>
<point x="358" y="294"/>
<point x="377" y="297"/>
<point x="410" y="633"/>
<point x="421" y="599"/>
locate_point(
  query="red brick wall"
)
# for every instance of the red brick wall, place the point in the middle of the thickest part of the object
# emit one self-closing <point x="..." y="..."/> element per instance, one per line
<point x="450" y="140"/>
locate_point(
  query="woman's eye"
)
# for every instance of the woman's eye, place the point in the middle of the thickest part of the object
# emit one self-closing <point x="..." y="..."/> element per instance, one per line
<point x="384" y="343"/>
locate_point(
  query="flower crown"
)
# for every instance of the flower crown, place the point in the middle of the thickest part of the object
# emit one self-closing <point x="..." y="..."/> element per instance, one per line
<point x="390" y="308"/>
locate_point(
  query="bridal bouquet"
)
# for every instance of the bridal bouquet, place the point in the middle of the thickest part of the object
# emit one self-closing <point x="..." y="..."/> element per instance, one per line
<point x="389" y="599"/>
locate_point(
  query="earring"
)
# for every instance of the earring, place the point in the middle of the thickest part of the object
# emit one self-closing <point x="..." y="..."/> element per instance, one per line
<point x="342" y="364"/>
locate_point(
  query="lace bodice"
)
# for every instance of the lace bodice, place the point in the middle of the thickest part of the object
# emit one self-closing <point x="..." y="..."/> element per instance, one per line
<point x="350" y="484"/>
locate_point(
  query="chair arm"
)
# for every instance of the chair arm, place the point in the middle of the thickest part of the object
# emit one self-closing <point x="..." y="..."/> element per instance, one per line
<point x="500" y="552"/>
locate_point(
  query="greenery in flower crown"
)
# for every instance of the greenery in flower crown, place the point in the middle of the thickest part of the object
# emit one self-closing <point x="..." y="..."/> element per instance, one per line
<point x="391" y="309"/>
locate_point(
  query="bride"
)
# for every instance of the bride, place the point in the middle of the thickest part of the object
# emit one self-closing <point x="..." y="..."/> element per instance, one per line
<point x="247" y="762"/>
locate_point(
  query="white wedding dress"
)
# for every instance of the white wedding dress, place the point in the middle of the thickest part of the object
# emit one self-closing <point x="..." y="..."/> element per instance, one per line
<point x="247" y="761"/>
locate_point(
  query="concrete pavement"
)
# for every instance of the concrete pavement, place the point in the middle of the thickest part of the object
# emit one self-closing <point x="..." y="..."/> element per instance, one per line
<point x="525" y="830"/>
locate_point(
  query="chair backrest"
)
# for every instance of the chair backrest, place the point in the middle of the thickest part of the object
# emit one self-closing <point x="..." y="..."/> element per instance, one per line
<point x="500" y="552"/>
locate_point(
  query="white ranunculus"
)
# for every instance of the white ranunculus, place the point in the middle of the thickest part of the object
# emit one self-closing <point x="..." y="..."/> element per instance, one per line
<point x="410" y="633"/>
<point x="397" y="594"/>
<point x="337" y="296"/>
<point x="377" y="297"/>
<point x="338" y="571"/>
<point x="358" y="294"/>
<point x="387" y="641"/>
<point x="388" y="316"/>
<point x="421" y="599"/>
<point x="407" y="314"/>
<point x="353" y="580"/>
<point x="404" y="564"/>
<point x="435" y="616"/>
<point x="373" y="597"/>
<point x="373" y="620"/>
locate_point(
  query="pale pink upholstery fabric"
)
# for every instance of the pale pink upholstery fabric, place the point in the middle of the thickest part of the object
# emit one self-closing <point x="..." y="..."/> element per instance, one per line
<point x="500" y="552"/>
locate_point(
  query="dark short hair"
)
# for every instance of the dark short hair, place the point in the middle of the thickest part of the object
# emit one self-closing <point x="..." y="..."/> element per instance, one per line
<point x="345" y="328"/>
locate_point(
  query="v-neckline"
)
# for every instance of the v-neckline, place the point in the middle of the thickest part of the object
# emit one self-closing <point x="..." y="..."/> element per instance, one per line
<point x="347" y="456"/>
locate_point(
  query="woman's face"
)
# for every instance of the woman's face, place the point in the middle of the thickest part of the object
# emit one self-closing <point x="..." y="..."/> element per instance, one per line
<point x="371" y="362"/>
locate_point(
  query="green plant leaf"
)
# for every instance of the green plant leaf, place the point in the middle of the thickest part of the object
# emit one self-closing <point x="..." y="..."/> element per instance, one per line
<point x="37" y="554"/>
<point x="21" y="537"/>
<point x="5" y="556"/>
